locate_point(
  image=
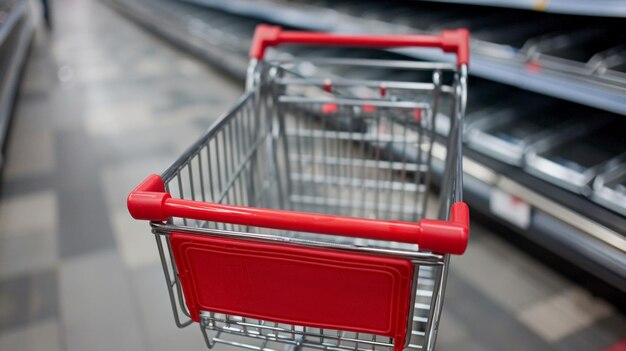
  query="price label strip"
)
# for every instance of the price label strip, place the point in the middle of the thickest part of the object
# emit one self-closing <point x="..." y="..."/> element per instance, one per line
<point x="511" y="208"/>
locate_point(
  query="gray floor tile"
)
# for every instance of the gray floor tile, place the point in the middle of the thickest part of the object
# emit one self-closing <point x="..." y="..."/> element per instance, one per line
<point x="99" y="312"/>
<point x="600" y="336"/>
<point x="65" y="116"/>
<point x="24" y="254"/>
<point x="505" y="274"/>
<point x="466" y="344"/>
<point x="83" y="214"/>
<point x="31" y="152"/>
<point x="40" y="336"/>
<point x="40" y="73"/>
<point x="452" y="333"/>
<point x="27" y="299"/>
<point x="32" y="115"/>
<point x="117" y="118"/>
<point x="157" y="321"/>
<point x="564" y="314"/>
<point x="119" y="179"/>
<point x="16" y="214"/>
<point x="24" y="185"/>
<point x="488" y="323"/>
<point x="135" y="241"/>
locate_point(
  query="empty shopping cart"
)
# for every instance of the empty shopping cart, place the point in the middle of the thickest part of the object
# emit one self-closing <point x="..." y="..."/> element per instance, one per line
<point x="299" y="218"/>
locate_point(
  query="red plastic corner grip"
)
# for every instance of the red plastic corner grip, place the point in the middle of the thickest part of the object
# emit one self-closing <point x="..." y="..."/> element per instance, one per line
<point x="447" y="236"/>
<point x="264" y="36"/>
<point x="457" y="41"/>
<point x="146" y="200"/>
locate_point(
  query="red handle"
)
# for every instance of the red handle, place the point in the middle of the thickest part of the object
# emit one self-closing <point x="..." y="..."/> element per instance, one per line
<point x="149" y="201"/>
<point x="454" y="41"/>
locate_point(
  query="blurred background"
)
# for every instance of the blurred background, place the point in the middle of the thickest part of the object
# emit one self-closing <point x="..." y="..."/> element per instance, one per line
<point x="97" y="94"/>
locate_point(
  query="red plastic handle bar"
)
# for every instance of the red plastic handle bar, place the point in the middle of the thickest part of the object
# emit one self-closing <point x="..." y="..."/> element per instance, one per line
<point x="149" y="201"/>
<point x="453" y="41"/>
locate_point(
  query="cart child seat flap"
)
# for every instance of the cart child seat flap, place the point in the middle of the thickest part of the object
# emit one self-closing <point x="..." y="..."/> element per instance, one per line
<point x="300" y="286"/>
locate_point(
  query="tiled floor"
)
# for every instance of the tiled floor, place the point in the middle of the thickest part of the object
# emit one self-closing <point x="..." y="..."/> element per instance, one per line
<point x="104" y="104"/>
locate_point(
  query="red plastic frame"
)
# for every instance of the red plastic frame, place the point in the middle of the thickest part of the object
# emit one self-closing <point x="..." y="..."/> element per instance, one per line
<point x="150" y="201"/>
<point x="453" y="41"/>
<point x="294" y="285"/>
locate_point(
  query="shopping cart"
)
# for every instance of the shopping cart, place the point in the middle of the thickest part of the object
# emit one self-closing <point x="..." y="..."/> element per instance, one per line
<point x="297" y="219"/>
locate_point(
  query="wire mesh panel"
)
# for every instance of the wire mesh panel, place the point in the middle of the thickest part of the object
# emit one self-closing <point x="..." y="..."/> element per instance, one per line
<point x="363" y="173"/>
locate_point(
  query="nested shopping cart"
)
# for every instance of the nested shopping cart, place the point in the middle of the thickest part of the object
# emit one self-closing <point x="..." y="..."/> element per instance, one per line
<point x="298" y="218"/>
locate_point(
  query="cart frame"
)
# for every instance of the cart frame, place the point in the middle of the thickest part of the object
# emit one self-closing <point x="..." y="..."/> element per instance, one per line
<point x="187" y="214"/>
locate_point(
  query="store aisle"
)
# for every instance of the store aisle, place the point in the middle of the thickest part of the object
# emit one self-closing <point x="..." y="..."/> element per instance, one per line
<point x="102" y="105"/>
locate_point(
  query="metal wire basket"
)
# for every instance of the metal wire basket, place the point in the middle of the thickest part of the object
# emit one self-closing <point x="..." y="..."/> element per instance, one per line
<point x="298" y="218"/>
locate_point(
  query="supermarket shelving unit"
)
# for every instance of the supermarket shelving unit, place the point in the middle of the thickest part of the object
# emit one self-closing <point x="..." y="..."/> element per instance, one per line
<point x="608" y="8"/>
<point x="16" y="32"/>
<point x="506" y="65"/>
<point x="567" y="223"/>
